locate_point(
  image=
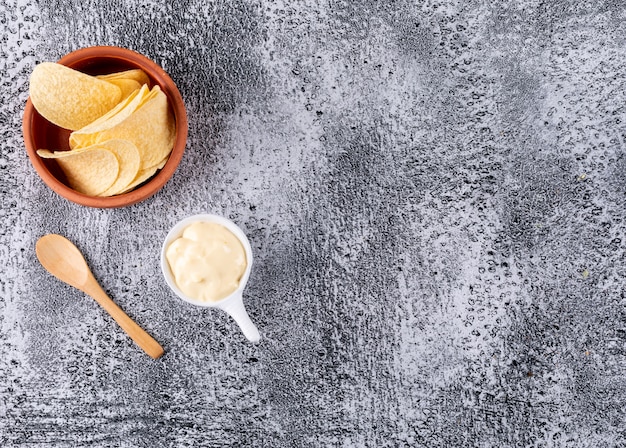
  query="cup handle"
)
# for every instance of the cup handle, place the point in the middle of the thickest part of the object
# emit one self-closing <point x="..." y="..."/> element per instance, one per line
<point x="235" y="308"/>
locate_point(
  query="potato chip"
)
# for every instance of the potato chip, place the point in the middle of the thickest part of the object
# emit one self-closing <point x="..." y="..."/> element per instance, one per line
<point x="127" y="86"/>
<point x="151" y="128"/>
<point x="68" y="98"/>
<point x="142" y="176"/>
<point x="135" y="74"/>
<point x="145" y="174"/>
<point x="90" y="170"/>
<point x="114" y="151"/>
<point x="162" y="163"/>
<point x="86" y="136"/>
<point x="128" y="158"/>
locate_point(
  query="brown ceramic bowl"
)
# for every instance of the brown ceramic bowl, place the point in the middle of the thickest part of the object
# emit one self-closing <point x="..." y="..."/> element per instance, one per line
<point x="40" y="133"/>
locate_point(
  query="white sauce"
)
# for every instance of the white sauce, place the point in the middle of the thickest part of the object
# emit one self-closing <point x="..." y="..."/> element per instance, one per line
<point x="207" y="261"/>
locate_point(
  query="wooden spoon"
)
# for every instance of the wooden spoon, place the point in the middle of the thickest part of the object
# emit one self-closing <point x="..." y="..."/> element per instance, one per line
<point x="63" y="260"/>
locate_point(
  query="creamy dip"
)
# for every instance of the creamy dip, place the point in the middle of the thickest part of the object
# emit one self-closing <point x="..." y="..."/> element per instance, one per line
<point x="207" y="261"/>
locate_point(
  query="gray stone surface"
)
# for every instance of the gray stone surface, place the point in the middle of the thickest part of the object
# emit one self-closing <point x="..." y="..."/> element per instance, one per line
<point x="434" y="192"/>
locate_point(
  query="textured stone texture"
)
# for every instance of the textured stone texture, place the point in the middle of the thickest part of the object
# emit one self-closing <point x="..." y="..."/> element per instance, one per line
<point x="434" y="192"/>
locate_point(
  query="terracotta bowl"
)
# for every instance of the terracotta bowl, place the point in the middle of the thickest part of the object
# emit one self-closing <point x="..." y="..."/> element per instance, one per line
<point x="40" y="133"/>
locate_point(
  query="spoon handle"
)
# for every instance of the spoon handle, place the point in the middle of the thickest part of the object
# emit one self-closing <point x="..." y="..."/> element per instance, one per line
<point x="146" y="342"/>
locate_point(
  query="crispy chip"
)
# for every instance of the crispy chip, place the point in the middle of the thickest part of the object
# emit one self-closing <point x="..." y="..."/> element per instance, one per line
<point x="117" y="148"/>
<point x="86" y="136"/>
<point x="90" y="170"/>
<point x="151" y="128"/>
<point x="135" y="74"/>
<point x="142" y="176"/>
<point x="68" y="98"/>
<point x="128" y="158"/>
<point x="162" y="163"/>
<point x="127" y="86"/>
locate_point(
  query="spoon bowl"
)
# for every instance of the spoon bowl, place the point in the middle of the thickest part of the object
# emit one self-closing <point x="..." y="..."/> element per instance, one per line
<point x="231" y="304"/>
<point x="61" y="258"/>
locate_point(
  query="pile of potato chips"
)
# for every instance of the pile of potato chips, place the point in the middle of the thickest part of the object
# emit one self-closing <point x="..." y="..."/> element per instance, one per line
<point x="123" y="130"/>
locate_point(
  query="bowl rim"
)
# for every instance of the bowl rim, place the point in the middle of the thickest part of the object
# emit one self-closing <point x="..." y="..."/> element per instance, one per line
<point x="177" y="230"/>
<point x="159" y="76"/>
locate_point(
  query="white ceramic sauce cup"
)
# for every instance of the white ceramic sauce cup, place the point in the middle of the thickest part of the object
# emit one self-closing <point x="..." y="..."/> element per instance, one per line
<point x="232" y="304"/>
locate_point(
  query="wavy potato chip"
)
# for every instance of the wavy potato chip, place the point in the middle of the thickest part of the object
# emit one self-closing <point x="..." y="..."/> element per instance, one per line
<point x="129" y="161"/>
<point x="68" y="98"/>
<point x="142" y="176"/>
<point x="90" y="170"/>
<point x="135" y="74"/>
<point x="151" y="128"/>
<point x="127" y="86"/>
<point x="120" y="146"/>
<point x="162" y="163"/>
<point x="86" y="136"/>
<point x="145" y="174"/>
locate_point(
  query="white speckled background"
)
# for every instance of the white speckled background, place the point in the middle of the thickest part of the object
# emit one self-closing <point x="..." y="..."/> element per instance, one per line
<point x="434" y="192"/>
